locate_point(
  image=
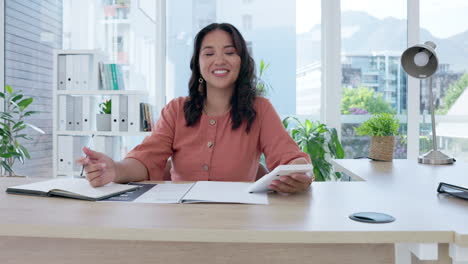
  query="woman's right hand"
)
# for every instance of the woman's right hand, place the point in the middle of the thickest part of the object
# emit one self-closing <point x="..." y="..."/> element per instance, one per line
<point x="100" y="169"/>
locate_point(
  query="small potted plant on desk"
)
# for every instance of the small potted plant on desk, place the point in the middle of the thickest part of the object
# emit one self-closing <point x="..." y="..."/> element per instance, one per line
<point x="382" y="128"/>
<point x="103" y="119"/>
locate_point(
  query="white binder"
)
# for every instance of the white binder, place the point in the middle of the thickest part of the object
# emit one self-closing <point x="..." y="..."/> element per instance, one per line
<point x="78" y="113"/>
<point x="133" y="112"/>
<point x="85" y="70"/>
<point x="62" y="73"/>
<point x="123" y="113"/>
<point x="115" y="113"/>
<point x="70" y="107"/>
<point x="69" y="72"/>
<point x="88" y="113"/>
<point x="65" y="153"/>
<point x="62" y="113"/>
<point x="76" y="72"/>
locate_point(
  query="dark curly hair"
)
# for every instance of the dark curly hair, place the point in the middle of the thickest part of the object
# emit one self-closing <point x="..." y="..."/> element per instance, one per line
<point x="245" y="91"/>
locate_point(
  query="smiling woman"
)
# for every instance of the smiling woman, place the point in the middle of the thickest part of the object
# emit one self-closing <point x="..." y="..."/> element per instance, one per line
<point x="220" y="54"/>
<point x="218" y="132"/>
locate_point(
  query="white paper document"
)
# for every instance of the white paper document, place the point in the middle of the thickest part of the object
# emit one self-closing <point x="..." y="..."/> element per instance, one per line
<point x="202" y="192"/>
<point x="164" y="193"/>
<point x="223" y="192"/>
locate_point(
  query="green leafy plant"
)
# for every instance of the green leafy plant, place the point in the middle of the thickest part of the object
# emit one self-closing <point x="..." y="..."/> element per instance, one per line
<point x="383" y="124"/>
<point x="263" y="86"/>
<point x="11" y="129"/>
<point x="105" y="107"/>
<point x="320" y="142"/>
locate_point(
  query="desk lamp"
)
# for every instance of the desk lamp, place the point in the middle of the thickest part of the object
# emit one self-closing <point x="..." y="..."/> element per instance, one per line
<point x="420" y="61"/>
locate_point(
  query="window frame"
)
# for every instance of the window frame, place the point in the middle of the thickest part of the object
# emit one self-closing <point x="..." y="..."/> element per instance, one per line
<point x="413" y="83"/>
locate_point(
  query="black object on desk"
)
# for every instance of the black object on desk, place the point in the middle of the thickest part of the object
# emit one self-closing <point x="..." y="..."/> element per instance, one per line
<point x="372" y="217"/>
<point x="453" y="190"/>
<point x="131" y="195"/>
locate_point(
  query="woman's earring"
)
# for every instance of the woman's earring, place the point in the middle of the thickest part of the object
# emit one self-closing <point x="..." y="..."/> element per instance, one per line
<point x="200" y="85"/>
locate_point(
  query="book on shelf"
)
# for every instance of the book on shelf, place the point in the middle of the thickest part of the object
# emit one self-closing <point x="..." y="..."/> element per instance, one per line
<point x="145" y="117"/>
<point x="111" y="76"/>
<point x="198" y="192"/>
<point x="71" y="188"/>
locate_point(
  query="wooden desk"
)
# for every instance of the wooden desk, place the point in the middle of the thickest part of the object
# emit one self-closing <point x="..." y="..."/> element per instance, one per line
<point x="412" y="186"/>
<point x="312" y="227"/>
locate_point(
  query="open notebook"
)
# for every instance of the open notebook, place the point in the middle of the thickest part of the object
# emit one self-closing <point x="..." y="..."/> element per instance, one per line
<point x="71" y="188"/>
<point x="198" y="192"/>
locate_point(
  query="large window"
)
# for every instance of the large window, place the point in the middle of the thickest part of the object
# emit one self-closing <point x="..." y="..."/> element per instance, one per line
<point x="451" y="79"/>
<point x="373" y="36"/>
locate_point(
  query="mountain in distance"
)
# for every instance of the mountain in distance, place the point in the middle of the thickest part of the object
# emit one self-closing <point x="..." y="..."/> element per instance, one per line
<point x="364" y="34"/>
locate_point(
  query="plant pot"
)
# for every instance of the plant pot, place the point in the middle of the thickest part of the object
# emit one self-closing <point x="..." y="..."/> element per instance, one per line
<point x="103" y="122"/>
<point x="381" y="148"/>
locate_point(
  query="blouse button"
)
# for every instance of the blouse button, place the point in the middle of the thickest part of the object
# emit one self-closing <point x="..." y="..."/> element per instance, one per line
<point x="212" y="122"/>
<point x="205" y="167"/>
<point x="210" y="144"/>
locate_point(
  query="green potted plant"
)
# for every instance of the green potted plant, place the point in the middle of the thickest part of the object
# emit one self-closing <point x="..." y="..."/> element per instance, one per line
<point x="12" y="129"/>
<point x="320" y="142"/>
<point x="103" y="119"/>
<point x="383" y="128"/>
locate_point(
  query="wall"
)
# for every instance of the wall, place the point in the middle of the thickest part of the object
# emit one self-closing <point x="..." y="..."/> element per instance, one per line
<point x="32" y="30"/>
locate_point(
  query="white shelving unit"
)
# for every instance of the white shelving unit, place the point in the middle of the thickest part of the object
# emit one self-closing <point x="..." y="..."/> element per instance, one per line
<point x="93" y="90"/>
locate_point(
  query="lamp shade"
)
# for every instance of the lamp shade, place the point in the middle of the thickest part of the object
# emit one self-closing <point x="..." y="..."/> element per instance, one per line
<point x="420" y="61"/>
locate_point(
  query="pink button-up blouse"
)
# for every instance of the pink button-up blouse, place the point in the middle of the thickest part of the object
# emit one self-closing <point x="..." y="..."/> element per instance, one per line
<point x="210" y="150"/>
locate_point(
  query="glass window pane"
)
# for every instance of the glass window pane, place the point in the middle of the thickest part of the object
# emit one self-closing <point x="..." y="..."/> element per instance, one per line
<point x="308" y="56"/>
<point x="451" y="79"/>
<point x="372" y="78"/>
<point x="283" y="34"/>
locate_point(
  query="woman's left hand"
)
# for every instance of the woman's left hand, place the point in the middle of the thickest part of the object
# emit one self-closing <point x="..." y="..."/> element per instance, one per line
<point x="294" y="183"/>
